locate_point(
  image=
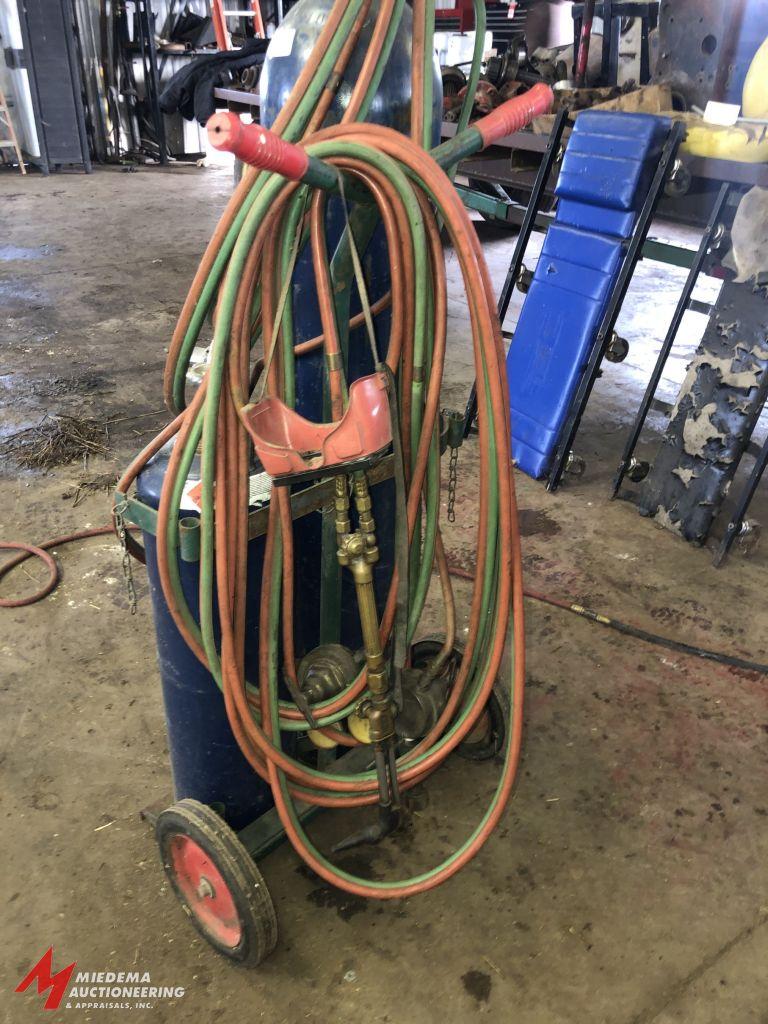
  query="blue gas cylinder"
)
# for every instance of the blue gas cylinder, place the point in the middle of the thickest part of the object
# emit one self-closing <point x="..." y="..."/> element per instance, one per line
<point x="206" y="762"/>
<point x="292" y="44"/>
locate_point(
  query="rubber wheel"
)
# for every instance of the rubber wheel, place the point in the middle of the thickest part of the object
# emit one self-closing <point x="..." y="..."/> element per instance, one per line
<point x="488" y="738"/>
<point x="217" y="882"/>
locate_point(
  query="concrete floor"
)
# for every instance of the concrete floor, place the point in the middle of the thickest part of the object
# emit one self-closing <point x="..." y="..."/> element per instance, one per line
<point x="627" y="882"/>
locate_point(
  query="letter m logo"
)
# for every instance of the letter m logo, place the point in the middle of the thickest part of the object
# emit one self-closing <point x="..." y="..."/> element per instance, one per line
<point x="43" y="974"/>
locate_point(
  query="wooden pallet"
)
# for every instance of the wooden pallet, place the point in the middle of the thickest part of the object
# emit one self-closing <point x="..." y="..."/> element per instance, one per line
<point x="12" y="141"/>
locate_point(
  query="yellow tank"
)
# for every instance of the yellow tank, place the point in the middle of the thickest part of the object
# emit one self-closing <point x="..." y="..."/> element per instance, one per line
<point x="754" y="97"/>
<point x="744" y="143"/>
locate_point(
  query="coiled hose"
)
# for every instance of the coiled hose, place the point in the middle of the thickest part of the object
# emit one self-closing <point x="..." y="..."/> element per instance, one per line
<point x="244" y="276"/>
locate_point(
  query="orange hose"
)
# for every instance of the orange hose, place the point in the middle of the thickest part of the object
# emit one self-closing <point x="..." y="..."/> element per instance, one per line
<point x="262" y="264"/>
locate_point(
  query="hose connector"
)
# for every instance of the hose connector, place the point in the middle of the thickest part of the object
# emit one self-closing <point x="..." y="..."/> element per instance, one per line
<point x="257" y="146"/>
<point x="515" y="114"/>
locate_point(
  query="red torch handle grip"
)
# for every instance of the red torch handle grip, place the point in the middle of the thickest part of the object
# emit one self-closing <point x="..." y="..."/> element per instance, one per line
<point x="515" y="113"/>
<point x="257" y="146"/>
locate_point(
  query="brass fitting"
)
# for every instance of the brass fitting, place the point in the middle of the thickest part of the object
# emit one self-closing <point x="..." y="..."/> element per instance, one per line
<point x="378" y="714"/>
<point x="358" y="551"/>
<point x="364" y="507"/>
<point x="350" y="552"/>
<point x="341" y="504"/>
<point x="381" y="722"/>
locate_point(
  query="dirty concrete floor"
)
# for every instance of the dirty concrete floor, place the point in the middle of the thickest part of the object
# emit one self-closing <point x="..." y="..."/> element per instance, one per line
<point x="627" y="882"/>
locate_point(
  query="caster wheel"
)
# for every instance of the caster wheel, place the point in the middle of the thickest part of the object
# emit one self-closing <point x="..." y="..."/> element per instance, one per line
<point x="489" y="735"/>
<point x="638" y="470"/>
<point x="217" y="882"/>
<point x="524" y="280"/>
<point x="617" y="350"/>
<point x="575" y="466"/>
<point x="748" y="539"/>
<point x="678" y="184"/>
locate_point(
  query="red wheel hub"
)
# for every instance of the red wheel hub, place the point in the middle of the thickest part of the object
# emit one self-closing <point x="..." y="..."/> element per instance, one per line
<point x="204" y="890"/>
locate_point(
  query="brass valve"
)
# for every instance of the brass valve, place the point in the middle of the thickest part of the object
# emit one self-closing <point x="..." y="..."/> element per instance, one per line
<point x="341" y="505"/>
<point x="364" y="507"/>
<point x="375" y="715"/>
<point x="359" y="552"/>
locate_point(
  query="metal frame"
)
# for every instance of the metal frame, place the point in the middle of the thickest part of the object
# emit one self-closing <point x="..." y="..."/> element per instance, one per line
<point x="29" y="62"/>
<point x="77" y="83"/>
<point x="496" y="207"/>
<point x="549" y="158"/>
<point x="612" y="11"/>
<point x="146" y="45"/>
<point x="634" y="248"/>
<point x="265" y="833"/>
<point x="309" y="499"/>
<point x="684" y="302"/>
<point x="44" y="161"/>
<point x="170" y="24"/>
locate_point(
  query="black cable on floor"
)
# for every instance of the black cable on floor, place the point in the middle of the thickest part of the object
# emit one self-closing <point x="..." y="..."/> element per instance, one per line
<point x="634" y="631"/>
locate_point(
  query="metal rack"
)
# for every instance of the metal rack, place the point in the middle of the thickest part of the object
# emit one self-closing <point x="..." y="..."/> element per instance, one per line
<point x="636" y="246"/>
<point x="613" y="12"/>
<point x="549" y="158"/>
<point x="50" y="57"/>
<point x="563" y="450"/>
<point x="628" y="464"/>
<point x="145" y="43"/>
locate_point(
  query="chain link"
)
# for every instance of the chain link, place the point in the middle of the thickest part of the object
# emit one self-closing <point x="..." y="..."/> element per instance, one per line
<point x="119" y="513"/>
<point x="453" y="474"/>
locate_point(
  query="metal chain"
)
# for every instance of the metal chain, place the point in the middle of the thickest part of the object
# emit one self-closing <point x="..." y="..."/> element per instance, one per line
<point x="453" y="475"/>
<point x="119" y="513"/>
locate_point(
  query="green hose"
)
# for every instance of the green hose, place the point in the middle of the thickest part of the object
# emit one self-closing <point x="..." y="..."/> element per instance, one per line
<point x="474" y="73"/>
<point x="293" y="131"/>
